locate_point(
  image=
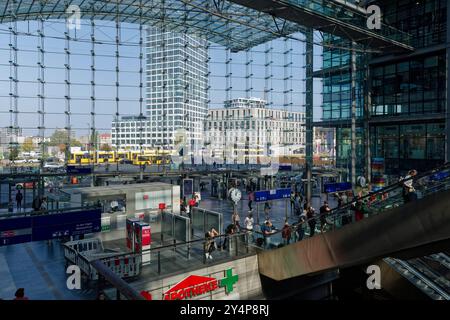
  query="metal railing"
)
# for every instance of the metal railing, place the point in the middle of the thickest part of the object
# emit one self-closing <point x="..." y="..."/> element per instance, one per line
<point x="433" y="181"/>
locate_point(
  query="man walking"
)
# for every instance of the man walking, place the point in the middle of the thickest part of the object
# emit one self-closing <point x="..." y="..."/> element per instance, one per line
<point x="19" y="198"/>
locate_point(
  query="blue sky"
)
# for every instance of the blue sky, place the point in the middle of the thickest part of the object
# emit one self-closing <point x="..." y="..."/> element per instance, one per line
<point x="129" y="78"/>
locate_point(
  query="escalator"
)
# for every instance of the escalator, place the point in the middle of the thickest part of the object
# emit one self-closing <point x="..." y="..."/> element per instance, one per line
<point x="392" y="228"/>
<point x="429" y="274"/>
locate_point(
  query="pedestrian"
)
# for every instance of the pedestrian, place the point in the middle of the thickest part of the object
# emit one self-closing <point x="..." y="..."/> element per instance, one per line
<point x="409" y="193"/>
<point x="229" y="230"/>
<point x="300" y="230"/>
<point x="267" y="230"/>
<point x="293" y="196"/>
<point x="183" y="209"/>
<point x="19" y="198"/>
<point x="359" y="208"/>
<point x="298" y="205"/>
<point x="267" y="209"/>
<point x="43" y="204"/>
<point x="324" y="210"/>
<point x="37" y="203"/>
<point x="192" y="202"/>
<point x="310" y="213"/>
<point x="248" y="223"/>
<point x="235" y="219"/>
<point x="286" y="233"/>
<point x="20" y="294"/>
<point x="250" y="200"/>
<point x="210" y="244"/>
<point x="340" y="200"/>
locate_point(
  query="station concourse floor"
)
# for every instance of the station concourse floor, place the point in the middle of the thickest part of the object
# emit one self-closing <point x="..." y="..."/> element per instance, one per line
<point x="39" y="267"/>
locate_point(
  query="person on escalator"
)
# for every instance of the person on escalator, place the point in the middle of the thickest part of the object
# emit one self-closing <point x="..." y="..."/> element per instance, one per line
<point x="324" y="210"/>
<point x="360" y="209"/>
<point x="310" y="213"/>
<point x="409" y="193"/>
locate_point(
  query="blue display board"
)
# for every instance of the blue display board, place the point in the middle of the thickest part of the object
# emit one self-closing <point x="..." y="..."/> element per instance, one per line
<point x="285" y="167"/>
<point x="51" y="226"/>
<point x="266" y="195"/>
<point x="188" y="187"/>
<point x="337" y="187"/>
<point x="440" y="176"/>
<point x="78" y="170"/>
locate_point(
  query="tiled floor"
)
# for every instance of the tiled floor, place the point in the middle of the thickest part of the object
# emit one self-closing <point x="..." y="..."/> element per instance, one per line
<point x="39" y="268"/>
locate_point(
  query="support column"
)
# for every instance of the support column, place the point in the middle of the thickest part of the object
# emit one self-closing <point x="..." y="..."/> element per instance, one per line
<point x="367" y="111"/>
<point x="447" y="108"/>
<point x="117" y="54"/>
<point x="68" y="90"/>
<point x="309" y="99"/>
<point x="41" y="87"/>
<point x="142" y="133"/>
<point x="353" y="115"/>
<point x="93" y="102"/>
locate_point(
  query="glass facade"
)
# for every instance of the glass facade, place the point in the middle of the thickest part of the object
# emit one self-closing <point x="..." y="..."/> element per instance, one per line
<point x="412" y="87"/>
<point x="420" y="145"/>
<point x="408" y="93"/>
<point x="337" y="103"/>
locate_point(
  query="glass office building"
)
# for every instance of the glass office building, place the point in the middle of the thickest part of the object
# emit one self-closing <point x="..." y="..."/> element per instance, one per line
<point x="404" y="95"/>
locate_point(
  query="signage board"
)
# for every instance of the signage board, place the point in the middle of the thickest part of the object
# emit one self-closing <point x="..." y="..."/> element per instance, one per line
<point x="337" y="187"/>
<point x="47" y="227"/>
<point x="277" y="194"/>
<point x="188" y="187"/>
<point x="78" y="170"/>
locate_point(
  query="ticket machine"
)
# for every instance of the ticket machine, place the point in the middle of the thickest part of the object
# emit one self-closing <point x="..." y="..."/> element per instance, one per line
<point x="142" y="240"/>
<point x="130" y="232"/>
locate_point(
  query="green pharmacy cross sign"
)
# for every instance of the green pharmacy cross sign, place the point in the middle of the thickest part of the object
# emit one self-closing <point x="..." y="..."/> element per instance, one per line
<point x="229" y="281"/>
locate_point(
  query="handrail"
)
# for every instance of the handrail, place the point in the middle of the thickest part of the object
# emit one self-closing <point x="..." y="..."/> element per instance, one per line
<point x="335" y="211"/>
<point x="178" y="244"/>
<point x="296" y="225"/>
<point x="47" y="212"/>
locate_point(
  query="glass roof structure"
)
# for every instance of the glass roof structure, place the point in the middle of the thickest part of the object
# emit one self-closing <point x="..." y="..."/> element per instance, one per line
<point x="235" y="24"/>
<point x="222" y="22"/>
<point x="344" y="18"/>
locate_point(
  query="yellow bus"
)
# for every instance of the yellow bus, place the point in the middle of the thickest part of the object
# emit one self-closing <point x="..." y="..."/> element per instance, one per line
<point x="80" y="157"/>
<point x="106" y="157"/>
<point x="142" y="159"/>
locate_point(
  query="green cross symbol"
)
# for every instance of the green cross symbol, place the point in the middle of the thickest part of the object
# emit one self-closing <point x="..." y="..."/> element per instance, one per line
<point x="229" y="281"/>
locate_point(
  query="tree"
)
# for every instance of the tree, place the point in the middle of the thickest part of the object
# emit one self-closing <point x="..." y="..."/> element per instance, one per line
<point x="14" y="153"/>
<point x="59" y="137"/>
<point x="105" y="147"/>
<point x="27" y="145"/>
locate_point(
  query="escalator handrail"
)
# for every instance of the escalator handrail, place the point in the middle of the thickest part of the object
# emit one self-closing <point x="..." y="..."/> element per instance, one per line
<point x="338" y="210"/>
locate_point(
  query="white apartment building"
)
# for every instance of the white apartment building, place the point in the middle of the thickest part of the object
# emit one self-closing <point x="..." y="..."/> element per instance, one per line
<point x="245" y="131"/>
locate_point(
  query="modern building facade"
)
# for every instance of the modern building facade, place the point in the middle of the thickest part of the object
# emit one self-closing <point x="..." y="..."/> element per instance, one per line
<point x="245" y="131"/>
<point x="176" y="93"/>
<point x="401" y="99"/>
<point x="176" y="86"/>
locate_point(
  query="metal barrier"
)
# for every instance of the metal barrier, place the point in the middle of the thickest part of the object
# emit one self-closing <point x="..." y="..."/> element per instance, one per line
<point x="204" y="220"/>
<point x="84" y="252"/>
<point x="175" y="227"/>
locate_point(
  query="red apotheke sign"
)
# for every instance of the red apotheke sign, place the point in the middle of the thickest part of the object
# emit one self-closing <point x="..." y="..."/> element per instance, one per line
<point x="190" y="287"/>
<point x="194" y="286"/>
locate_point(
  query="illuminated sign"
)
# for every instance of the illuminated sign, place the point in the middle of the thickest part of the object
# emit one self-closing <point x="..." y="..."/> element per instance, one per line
<point x="194" y="286"/>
